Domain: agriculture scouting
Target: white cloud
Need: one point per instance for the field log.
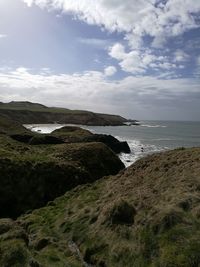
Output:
(129, 62)
(28, 2)
(132, 63)
(98, 43)
(110, 70)
(117, 51)
(158, 20)
(181, 56)
(138, 61)
(91, 90)
(148, 58)
(3, 36)
(135, 18)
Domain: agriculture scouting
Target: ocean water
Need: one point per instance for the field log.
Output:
(147, 138)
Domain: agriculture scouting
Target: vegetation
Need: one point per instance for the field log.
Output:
(76, 134)
(71, 134)
(35, 168)
(9, 126)
(146, 216)
(27, 112)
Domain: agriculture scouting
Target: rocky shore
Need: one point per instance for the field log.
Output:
(92, 211)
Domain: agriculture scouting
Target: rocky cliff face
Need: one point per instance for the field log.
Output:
(147, 215)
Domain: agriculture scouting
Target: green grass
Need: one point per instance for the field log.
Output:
(146, 216)
(27, 112)
(163, 233)
(32, 175)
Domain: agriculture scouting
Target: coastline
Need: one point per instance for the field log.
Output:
(152, 136)
(64, 193)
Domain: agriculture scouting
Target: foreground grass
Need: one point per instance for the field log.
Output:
(146, 216)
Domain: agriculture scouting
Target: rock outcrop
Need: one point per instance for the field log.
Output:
(76, 134)
(110, 141)
(72, 134)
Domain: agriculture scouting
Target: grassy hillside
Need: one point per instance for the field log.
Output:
(9, 126)
(32, 175)
(146, 216)
(27, 112)
(36, 168)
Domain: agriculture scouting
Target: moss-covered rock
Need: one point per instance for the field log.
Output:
(30, 176)
(73, 134)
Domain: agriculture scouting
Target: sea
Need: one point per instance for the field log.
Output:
(144, 139)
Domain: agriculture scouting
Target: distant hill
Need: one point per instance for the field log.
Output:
(28, 112)
(22, 105)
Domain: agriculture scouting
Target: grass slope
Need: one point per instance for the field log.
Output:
(27, 112)
(36, 168)
(9, 126)
(146, 216)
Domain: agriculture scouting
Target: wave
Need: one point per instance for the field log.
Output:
(138, 150)
(43, 128)
(153, 126)
(163, 139)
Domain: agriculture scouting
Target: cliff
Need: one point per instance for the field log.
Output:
(27, 112)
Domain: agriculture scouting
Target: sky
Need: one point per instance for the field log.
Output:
(136, 58)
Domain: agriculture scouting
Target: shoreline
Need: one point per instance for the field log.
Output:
(138, 150)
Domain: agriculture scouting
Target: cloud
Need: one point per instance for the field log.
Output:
(197, 69)
(129, 62)
(181, 56)
(29, 2)
(131, 96)
(139, 61)
(158, 19)
(97, 43)
(110, 71)
(198, 60)
(3, 36)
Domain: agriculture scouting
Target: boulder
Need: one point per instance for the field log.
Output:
(112, 142)
(71, 134)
